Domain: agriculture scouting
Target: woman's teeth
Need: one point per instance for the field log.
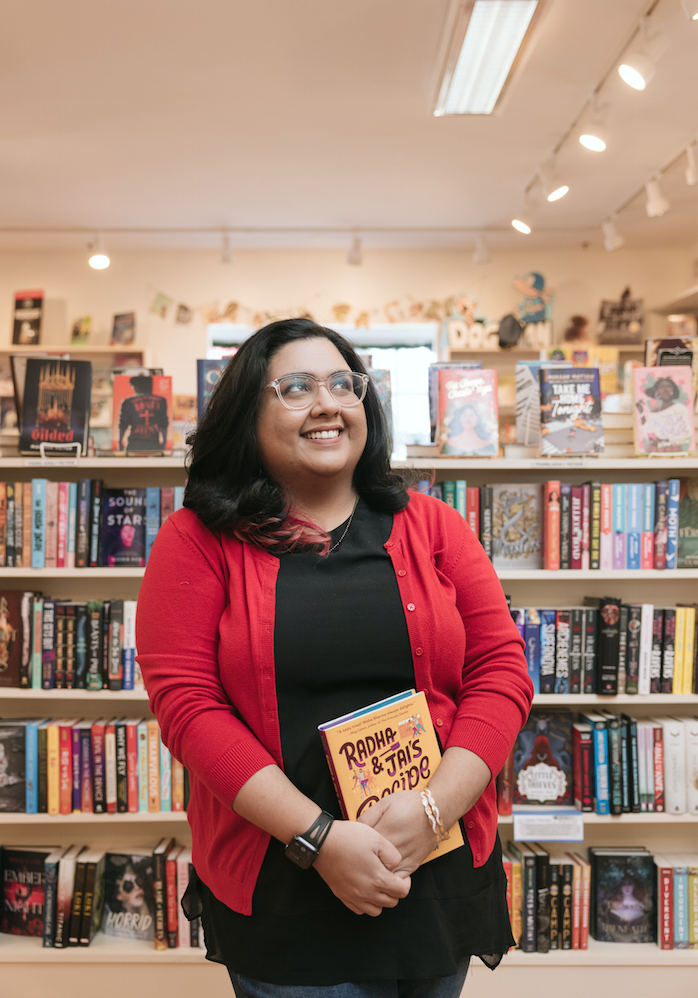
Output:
(322, 434)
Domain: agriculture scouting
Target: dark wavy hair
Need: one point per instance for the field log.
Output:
(227, 487)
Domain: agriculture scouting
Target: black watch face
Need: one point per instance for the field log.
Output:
(301, 852)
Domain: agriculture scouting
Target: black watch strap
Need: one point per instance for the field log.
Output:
(303, 849)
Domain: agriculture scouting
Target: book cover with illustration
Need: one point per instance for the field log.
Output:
(468, 413)
(10, 637)
(433, 382)
(129, 894)
(123, 331)
(528, 400)
(674, 351)
(23, 889)
(29, 309)
(543, 759)
(663, 406)
(381, 749)
(142, 421)
(122, 528)
(687, 555)
(381, 381)
(624, 896)
(208, 374)
(56, 404)
(516, 526)
(570, 411)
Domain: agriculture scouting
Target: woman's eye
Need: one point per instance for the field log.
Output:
(295, 387)
(342, 384)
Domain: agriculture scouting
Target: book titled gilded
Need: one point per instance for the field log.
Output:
(56, 404)
(381, 749)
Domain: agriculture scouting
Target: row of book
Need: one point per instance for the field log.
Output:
(116, 765)
(619, 895)
(58, 644)
(66, 895)
(46, 524)
(609, 647)
(652, 525)
(604, 762)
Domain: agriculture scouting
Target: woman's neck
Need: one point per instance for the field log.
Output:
(327, 510)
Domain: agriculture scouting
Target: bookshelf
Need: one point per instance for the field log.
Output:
(26, 964)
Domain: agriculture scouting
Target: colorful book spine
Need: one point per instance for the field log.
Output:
(165, 777)
(619, 552)
(62, 525)
(551, 532)
(565, 526)
(152, 519)
(472, 508)
(129, 649)
(647, 537)
(38, 522)
(661, 508)
(633, 493)
(547, 651)
(142, 738)
(576, 531)
(461, 503)
(595, 527)
(586, 526)
(665, 902)
(606, 527)
(532, 646)
(672, 537)
(72, 524)
(562, 651)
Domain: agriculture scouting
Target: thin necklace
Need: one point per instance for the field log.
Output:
(335, 546)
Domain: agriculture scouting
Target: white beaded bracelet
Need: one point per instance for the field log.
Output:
(432, 813)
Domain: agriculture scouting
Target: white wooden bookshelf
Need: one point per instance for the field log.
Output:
(81, 818)
(662, 468)
(645, 818)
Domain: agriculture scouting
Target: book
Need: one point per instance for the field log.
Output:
(124, 329)
(663, 406)
(505, 786)
(673, 351)
(95, 516)
(576, 527)
(56, 405)
(526, 858)
(28, 313)
(122, 527)
(565, 526)
(589, 647)
(13, 771)
(160, 854)
(543, 759)
(562, 651)
(547, 651)
(142, 414)
(542, 897)
(516, 526)
(23, 889)
(93, 894)
(532, 624)
(672, 536)
(687, 548)
(624, 896)
(583, 765)
(528, 400)
(619, 526)
(551, 544)
(387, 746)
(668, 640)
(64, 895)
(208, 374)
(599, 727)
(11, 638)
(570, 411)
(468, 412)
(486, 514)
(576, 649)
(129, 899)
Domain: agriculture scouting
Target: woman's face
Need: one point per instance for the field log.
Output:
(468, 418)
(289, 451)
(665, 391)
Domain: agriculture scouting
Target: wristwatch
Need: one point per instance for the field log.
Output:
(304, 849)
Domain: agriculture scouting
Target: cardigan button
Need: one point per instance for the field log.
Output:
(402, 572)
(419, 651)
(439, 722)
(471, 824)
(411, 606)
(478, 857)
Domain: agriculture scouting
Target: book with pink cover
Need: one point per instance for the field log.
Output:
(468, 412)
(662, 404)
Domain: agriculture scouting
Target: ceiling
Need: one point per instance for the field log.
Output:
(294, 114)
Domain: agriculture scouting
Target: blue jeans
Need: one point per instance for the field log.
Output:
(435, 987)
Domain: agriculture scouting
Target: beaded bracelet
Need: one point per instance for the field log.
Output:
(432, 813)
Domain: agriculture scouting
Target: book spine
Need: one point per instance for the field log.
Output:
(586, 525)
(532, 647)
(152, 518)
(183, 936)
(674, 767)
(160, 919)
(672, 539)
(179, 497)
(691, 737)
(602, 798)
(10, 525)
(565, 526)
(472, 509)
(177, 785)
(3, 525)
(82, 542)
(50, 890)
(62, 526)
(120, 735)
(633, 494)
(551, 530)
(619, 527)
(647, 538)
(19, 526)
(529, 905)
(615, 773)
(143, 786)
(86, 802)
(608, 637)
(625, 762)
(95, 516)
(562, 651)
(129, 650)
(153, 767)
(116, 643)
(99, 796)
(48, 652)
(565, 906)
(576, 905)
(59, 648)
(132, 766)
(622, 649)
(656, 650)
(76, 904)
(635, 796)
(646, 627)
(27, 522)
(25, 664)
(680, 907)
(542, 904)
(167, 502)
(576, 645)
(110, 766)
(632, 649)
(72, 525)
(586, 897)
(689, 652)
(679, 645)
(88, 904)
(448, 491)
(583, 769)
(31, 765)
(595, 526)
(51, 551)
(165, 777)
(69, 646)
(693, 906)
(555, 899)
(606, 538)
(516, 901)
(171, 900)
(665, 905)
(486, 519)
(589, 650)
(81, 647)
(661, 506)
(460, 497)
(53, 769)
(37, 642)
(547, 651)
(42, 780)
(95, 626)
(77, 769)
(576, 531)
(39, 523)
(658, 766)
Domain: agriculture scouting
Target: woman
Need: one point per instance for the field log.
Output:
(302, 581)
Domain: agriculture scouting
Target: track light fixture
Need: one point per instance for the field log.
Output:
(98, 257)
(638, 66)
(612, 238)
(523, 222)
(355, 256)
(657, 205)
(482, 253)
(226, 252)
(690, 9)
(692, 165)
(553, 186)
(594, 134)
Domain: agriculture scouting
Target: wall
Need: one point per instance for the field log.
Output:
(287, 282)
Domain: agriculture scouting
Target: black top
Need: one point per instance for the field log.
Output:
(341, 642)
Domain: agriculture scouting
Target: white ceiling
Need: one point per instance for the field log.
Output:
(317, 113)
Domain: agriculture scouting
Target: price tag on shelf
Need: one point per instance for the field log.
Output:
(549, 826)
(560, 464)
(51, 462)
(72, 455)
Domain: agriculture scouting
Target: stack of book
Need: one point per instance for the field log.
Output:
(116, 765)
(66, 895)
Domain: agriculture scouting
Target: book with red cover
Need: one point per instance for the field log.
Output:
(132, 763)
(551, 530)
(658, 762)
(583, 756)
(166, 502)
(606, 528)
(472, 509)
(142, 415)
(171, 895)
(65, 765)
(160, 853)
(576, 533)
(99, 795)
(468, 412)
(665, 900)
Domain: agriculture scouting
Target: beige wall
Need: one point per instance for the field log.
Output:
(288, 281)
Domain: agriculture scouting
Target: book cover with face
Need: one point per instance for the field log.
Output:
(663, 410)
(468, 413)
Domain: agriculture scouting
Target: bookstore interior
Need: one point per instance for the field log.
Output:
(496, 203)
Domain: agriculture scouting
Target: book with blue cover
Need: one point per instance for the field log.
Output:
(623, 906)
(208, 374)
(570, 411)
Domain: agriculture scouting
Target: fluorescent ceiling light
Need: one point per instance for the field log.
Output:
(474, 77)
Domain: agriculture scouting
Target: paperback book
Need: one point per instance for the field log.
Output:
(122, 531)
(468, 413)
(516, 526)
(142, 414)
(543, 770)
(129, 898)
(29, 308)
(570, 411)
(663, 406)
(124, 329)
(208, 374)
(56, 404)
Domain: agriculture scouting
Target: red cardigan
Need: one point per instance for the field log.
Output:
(205, 637)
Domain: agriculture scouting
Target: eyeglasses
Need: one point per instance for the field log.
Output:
(299, 391)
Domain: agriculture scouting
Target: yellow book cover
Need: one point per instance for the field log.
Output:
(679, 648)
(177, 785)
(53, 767)
(381, 749)
(516, 925)
(689, 650)
(153, 766)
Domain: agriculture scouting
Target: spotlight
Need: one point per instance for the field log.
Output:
(692, 168)
(482, 253)
(638, 66)
(226, 253)
(690, 9)
(657, 205)
(98, 258)
(612, 238)
(553, 187)
(595, 134)
(523, 223)
(355, 256)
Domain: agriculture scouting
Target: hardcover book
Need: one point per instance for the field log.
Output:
(208, 374)
(56, 405)
(663, 406)
(142, 414)
(122, 528)
(129, 900)
(516, 526)
(674, 351)
(124, 329)
(468, 412)
(381, 749)
(13, 773)
(29, 307)
(570, 408)
(23, 889)
(687, 552)
(543, 760)
(624, 896)
(10, 637)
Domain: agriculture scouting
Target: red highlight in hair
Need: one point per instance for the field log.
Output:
(284, 536)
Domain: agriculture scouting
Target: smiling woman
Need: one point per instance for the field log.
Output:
(317, 584)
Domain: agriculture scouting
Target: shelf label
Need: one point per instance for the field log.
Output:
(51, 462)
(560, 464)
(549, 826)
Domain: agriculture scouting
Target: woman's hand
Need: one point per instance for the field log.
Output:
(358, 865)
(401, 818)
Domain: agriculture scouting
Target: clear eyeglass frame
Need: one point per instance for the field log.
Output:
(347, 398)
